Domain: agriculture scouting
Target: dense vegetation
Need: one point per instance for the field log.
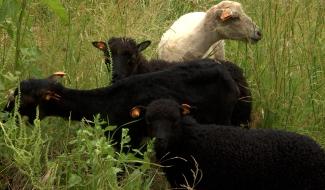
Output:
(285, 71)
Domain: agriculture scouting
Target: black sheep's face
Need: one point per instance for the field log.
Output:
(163, 130)
(163, 120)
(123, 54)
(124, 62)
(33, 93)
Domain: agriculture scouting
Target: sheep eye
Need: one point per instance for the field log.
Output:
(233, 19)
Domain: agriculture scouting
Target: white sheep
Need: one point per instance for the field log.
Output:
(192, 35)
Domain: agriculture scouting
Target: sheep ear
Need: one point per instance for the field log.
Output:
(226, 14)
(100, 45)
(135, 112)
(56, 76)
(51, 95)
(143, 45)
(186, 109)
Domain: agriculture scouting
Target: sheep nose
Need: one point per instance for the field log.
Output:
(258, 34)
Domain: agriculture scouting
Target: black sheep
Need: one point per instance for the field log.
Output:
(201, 83)
(231, 158)
(127, 59)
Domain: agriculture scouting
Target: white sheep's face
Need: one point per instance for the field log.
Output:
(232, 23)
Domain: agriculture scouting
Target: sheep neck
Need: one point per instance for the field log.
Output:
(142, 66)
(78, 104)
(202, 37)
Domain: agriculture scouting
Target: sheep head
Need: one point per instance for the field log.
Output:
(162, 117)
(123, 53)
(33, 93)
(229, 21)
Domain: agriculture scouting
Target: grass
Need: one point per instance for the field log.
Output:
(285, 71)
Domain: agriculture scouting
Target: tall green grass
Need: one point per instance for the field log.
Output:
(285, 71)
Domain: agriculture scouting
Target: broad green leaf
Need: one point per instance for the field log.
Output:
(57, 8)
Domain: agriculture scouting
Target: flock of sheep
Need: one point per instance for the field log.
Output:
(198, 109)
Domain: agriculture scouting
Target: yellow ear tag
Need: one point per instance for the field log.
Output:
(59, 74)
(52, 95)
(47, 97)
(101, 45)
(135, 112)
(186, 109)
(226, 14)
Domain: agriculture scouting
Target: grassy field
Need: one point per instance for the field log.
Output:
(285, 71)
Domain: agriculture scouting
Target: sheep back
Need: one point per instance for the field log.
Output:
(234, 158)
